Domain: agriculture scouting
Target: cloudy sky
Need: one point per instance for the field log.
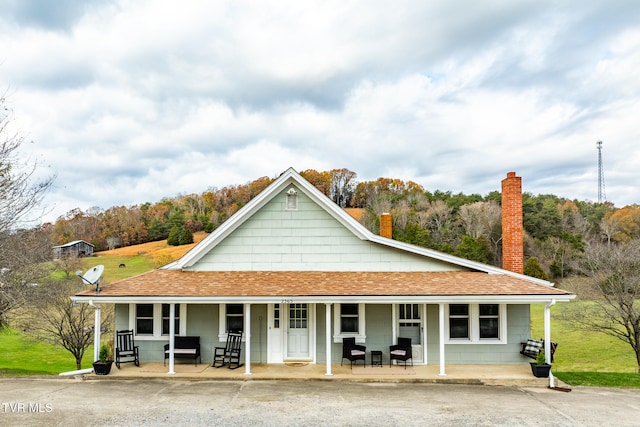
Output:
(130, 101)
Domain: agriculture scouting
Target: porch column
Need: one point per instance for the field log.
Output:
(247, 343)
(172, 335)
(394, 329)
(441, 333)
(96, 331)
(327, 309)
(547, 330)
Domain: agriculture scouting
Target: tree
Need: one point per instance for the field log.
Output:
(613, 273)
(56, 319)
(20, 195)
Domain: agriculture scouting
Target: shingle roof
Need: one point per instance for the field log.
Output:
(177, 283)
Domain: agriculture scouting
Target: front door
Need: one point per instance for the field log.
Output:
(274, 331)
(298, 331)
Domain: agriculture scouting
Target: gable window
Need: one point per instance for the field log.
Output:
(150, 321)
(348, 321)
(292, 200)
(477, 323)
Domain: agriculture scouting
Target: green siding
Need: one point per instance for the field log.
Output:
(309, 238)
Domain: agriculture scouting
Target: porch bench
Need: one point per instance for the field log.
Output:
(184, 348)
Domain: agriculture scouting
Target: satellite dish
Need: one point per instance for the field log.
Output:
(92, 276)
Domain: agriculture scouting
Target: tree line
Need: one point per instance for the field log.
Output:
(468, 225)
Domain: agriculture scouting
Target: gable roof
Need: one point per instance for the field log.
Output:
(75, 242)
(290, 176)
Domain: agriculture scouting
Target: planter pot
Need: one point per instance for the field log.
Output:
(102, 368)
(540, 371)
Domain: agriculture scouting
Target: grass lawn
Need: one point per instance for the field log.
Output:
(23, 355)
(586, 358)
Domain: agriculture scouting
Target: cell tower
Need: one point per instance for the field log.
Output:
(601, 194)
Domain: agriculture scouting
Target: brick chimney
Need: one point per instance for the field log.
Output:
(386, 225)
(512, 226)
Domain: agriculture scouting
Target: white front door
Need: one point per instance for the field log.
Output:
(298, 331)
(274, 331)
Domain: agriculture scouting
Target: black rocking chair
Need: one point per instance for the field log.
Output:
(353, 351)
(126, 348)
(229, 355)
(401, 351)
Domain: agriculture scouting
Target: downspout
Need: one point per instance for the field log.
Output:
(547, 338)
(96, 331)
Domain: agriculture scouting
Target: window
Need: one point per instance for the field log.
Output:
(348, 321)
(235, 317)
(348, 318)
(489, 321)
(477, 323)
(292, 200)
(276, 316)
(409, 316)
(458, 321)
(231, 318)
(166, 318)
(151, 321)
(144, 319)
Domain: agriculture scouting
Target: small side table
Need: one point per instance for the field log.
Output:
(376, 358)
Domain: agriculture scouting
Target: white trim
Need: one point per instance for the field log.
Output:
(360, 336)
(375, 299)
(222, 320)
(474, 327)
(157, 320)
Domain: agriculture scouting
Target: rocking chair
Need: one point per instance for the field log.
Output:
(126, 348)
(229, 355)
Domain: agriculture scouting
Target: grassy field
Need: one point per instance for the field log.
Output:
(23, 355)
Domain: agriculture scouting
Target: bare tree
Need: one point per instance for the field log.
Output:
(56, 319)
(19, 196)
(613, 271)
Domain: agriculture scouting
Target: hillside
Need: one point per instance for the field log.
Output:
(155, 249)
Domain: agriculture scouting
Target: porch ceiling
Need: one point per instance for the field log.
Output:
(177, 283)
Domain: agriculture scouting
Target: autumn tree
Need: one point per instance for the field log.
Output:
(343, 183)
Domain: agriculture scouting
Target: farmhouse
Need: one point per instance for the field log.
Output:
(296, 275)
(77, 248)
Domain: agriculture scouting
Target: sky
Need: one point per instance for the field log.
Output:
(129, 102)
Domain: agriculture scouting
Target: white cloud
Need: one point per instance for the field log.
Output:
(132, 101)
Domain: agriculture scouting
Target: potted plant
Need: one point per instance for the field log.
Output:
(102, 366)
(540, 367)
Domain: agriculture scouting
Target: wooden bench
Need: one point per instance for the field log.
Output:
(184, 348)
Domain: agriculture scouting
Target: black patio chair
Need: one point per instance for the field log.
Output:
(401, 351)
(126, 348)
(229, 355)
(352, 351)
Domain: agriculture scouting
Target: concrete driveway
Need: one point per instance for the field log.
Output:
(177, 402)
